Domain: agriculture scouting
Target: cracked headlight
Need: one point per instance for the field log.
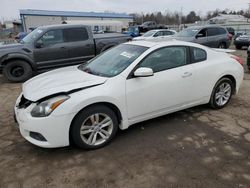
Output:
(45, 108)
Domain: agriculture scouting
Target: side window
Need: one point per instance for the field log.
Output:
(198, 55)
(212, 32)
(75, 34)
(165, 58)
(52, 37)
(167, 32)
(222, 31)
(202, 33)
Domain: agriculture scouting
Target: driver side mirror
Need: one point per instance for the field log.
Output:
(199, 35)
(143, 72)
(39, 44)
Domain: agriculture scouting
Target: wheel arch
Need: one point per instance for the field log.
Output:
(232, 78)
(107, 104)
(13, 57)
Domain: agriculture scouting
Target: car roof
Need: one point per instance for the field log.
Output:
(170, 42)
(206, 26)
(59, 26)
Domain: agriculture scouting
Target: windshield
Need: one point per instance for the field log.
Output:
(149, 34)
(189, 32)
(114, 61)
(32, 36)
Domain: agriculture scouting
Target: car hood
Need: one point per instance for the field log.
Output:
(10, 46)
(186, 39)
(59, 81)
(244, 37)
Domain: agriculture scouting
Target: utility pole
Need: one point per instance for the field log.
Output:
(142, 17)
(181, 19)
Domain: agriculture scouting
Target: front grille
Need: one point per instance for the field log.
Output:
(24, 103)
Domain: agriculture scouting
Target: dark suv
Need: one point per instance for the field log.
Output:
(212, 36)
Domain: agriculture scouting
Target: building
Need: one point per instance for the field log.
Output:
(238, 22)
(228, 19)
(34, 18)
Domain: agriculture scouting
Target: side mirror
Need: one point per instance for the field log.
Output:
(39, 44)
(143, 72)
(199, 35)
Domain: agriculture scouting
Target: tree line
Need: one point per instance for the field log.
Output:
(169, 18)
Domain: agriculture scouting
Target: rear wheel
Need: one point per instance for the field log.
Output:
(222, 45)
(222, 93)
(94, 127)
(17, 71)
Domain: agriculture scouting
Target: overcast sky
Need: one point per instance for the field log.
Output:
(9, 9)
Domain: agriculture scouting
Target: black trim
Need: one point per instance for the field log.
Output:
(188, 56)
(192, 59)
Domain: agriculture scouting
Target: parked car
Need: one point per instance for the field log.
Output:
(248, 58)
(20, 36)
(211, 36)
(242, 41)
(150, 25)
(238, 34)
(156, 34)
(130, 83)
(51, 47)
(132, 31)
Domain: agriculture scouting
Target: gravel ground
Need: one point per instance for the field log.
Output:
(198, 147)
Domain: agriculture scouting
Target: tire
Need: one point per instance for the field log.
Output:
(222, 45)
(17, 71)
(85, 124)
(238, 47)
(219, 99)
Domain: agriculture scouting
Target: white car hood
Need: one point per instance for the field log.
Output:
(59, 81)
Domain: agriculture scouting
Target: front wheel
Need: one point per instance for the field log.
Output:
(222, 93)
(94, 127)
(17, 71)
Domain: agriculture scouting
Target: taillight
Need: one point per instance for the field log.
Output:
(238, 59)
(229, 36)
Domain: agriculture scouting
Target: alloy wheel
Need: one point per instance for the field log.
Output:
(223, 94)
(96, 129)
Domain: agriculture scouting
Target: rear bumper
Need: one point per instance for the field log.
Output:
(241, 43)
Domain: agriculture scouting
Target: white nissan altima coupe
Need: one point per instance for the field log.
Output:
(130, 83)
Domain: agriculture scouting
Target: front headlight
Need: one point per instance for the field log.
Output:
(45, 108)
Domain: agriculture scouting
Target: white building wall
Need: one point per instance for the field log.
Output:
(31, 21)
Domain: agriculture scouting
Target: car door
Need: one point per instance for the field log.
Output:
(169, 88)
(213, 37)
(80, 45)
(201, 37)
(52, 50)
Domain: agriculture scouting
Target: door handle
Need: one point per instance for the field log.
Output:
(187, 74)
(63, 47)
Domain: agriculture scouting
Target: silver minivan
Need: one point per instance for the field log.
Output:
(211, 36)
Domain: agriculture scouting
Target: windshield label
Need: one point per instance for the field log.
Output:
(127, 55)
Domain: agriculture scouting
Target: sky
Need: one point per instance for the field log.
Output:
(9, 9)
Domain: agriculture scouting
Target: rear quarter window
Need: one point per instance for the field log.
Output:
(222, 31)
(198, 55)
(75, 34)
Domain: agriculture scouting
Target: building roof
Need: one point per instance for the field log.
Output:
(229, 17)
(73, 14)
